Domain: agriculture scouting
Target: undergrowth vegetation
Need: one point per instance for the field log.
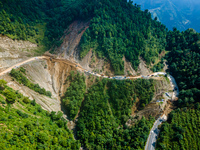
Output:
(182, 129)
(101, 124)
(74, 94)
(25, 125)
(18, 75)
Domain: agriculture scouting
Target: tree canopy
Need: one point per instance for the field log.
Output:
(27, 126)
(119, 29)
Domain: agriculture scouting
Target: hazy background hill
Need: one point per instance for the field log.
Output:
(182, 14)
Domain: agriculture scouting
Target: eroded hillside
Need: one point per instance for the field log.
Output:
(70, 50)
(13, 51)
(51, 74)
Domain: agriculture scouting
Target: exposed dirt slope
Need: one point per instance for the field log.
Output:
(154, 108)
(71, 39)
(69, 50)
(92, 63)
(13, 51)
(142, 68)
(59, 70)
(48, 74)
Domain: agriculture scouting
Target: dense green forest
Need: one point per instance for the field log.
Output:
(106, 108)
(18, 75)
(40, 21)
(74, 94)
(181, 131)
(184, 63)
(117, 28)
(121, 29)
(25, 125)
(123, 94)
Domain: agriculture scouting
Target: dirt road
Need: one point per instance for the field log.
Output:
(21, 63)
(150, 145)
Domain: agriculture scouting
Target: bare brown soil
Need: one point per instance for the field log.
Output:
(169, 107)
(71, 39)
(153, 109)
(142, 68)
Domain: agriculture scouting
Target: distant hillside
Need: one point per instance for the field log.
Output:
(182, 14)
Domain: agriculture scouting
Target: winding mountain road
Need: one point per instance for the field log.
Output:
(153, 135)
(21, 63)
(150, 144)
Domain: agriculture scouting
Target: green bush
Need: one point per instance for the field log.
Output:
(22, 79)
(33, 102)
(74, 94)
(20, 130)
(26, 100)
(22, 70)
(10, 96)
(2, 84)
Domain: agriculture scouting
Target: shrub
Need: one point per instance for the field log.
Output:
(10, 96)
(10, 117)
(33, 102)
(3, 119)
(23, 115)
(22, 79)
(26, 100)
(22, 70)
(2, 84)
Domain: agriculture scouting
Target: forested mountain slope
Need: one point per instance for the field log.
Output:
(182, 128)
(106, 105)
(39, 21)
(25, 125)
(100, 107)
(120, 29)
(101, 123)
(181, 131)
(117, 28)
